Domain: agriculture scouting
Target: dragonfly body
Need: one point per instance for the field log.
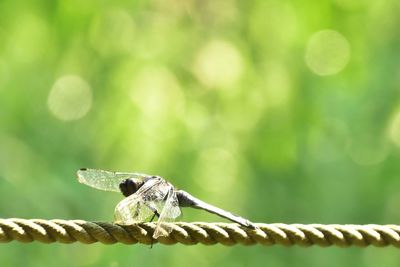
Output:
(149, 196)
(129, 187)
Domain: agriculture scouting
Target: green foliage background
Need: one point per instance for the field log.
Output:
(238, 102)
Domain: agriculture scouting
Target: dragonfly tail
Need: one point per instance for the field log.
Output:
(187, 200)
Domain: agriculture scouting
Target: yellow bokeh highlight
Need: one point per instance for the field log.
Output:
(394, 129)
(327, 52)
(156, 92)
(70, 98)
(218, 64)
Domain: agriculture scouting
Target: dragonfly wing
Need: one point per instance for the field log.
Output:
(169, 213)
(132, 210)
(106, 180)
(144, 203)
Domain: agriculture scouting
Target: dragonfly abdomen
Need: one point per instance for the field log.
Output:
(187, 200)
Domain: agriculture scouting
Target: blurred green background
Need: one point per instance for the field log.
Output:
(280, 111)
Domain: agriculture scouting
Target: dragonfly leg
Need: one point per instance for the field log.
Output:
(152, 218)
(154, 210)
(154, 215)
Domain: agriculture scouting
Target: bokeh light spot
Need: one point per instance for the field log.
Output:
(368, 149)
(218, 64)
(70, 98)
(394, 129)
(156, 92)
(327, 52)
(30, 39)
(278, 85)
(112, 32)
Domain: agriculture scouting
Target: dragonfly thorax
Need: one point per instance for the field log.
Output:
(129, 187)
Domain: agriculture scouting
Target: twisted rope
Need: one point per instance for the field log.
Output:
(69, 231)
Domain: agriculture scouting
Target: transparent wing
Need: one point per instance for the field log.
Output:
(106, 180)
(132, 210)
(144, 203)
(169, 213)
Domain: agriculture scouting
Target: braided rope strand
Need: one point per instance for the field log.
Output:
(70, 231)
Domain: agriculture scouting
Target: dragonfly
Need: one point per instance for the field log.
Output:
(149, 196)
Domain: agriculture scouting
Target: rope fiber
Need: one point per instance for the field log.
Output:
(70, 231)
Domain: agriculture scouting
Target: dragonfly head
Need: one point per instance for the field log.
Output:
(129, 187)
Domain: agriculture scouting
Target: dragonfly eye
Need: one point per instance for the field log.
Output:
(128, 187)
